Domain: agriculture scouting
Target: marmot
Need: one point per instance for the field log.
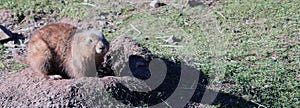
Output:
(60, 51)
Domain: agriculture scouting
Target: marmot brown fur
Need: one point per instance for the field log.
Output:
(59, 51)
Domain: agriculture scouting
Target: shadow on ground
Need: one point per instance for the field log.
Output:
(11, 36)
(168, 87)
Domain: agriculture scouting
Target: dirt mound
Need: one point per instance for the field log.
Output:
(28, 89)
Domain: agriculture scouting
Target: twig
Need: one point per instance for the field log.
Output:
(2, 75)
(26, 29)
(167, 103)
(192, 86)
(136, 29)
(218, 28)
(208, 14)
(163, 37)
(173, 59)
(15, 45)
(221, 15)
(187, 2)
(174, 46)
(259, 105)
(88, 4)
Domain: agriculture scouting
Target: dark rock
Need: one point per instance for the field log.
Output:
(194, 3)
(156, 4)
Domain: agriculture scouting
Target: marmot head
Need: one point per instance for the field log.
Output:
(91, 42)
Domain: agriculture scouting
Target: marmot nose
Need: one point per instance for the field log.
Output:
(100, 50)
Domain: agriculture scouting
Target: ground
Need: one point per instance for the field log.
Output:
(251, 48)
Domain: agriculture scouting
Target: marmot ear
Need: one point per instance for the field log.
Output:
(102, 35)
(98, 33)
(83, 36)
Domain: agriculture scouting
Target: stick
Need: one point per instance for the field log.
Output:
(221, 15)
(88, 4)
(136, 29)
(174, 46)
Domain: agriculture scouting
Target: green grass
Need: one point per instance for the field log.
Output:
(263, 57)
(251, 45)
(37, 8)
(256, 44)
(8, 64)
(2, 65)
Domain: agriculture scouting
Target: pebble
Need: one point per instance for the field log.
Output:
(154, 3)
(194, 3)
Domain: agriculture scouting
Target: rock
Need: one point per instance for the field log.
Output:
(194, 3)
(298, 77)
(156, 4)
(172, 40)
(9, 44)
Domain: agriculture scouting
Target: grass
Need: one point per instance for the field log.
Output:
(37, 9)
(7, 64)
(256, 44)
(263, 57)
(253, 46)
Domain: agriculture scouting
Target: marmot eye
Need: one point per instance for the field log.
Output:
(90, 40)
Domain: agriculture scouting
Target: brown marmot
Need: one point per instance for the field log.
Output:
(60, 51)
